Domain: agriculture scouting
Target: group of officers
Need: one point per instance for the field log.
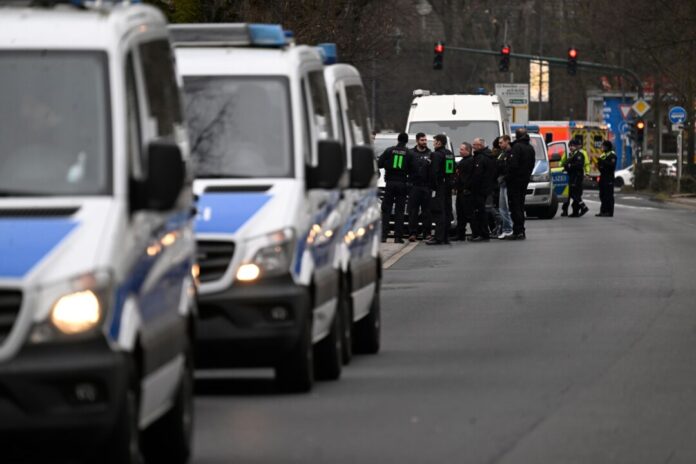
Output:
(490, 185)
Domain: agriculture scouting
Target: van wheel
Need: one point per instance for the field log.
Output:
(345, 309)
(367, 335)
(618, 182)
(169, 440)
(124, 446)
(329, 351)
(295, 373)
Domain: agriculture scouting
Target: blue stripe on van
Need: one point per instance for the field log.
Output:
(225, 213)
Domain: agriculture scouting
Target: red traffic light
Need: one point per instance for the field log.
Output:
(572, 53)
(505, 50)
(439, 47)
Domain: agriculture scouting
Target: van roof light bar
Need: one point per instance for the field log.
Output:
(328, 52)
(231, 34)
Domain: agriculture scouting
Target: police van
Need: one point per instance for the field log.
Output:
(359, 259)
(97, 296)
(267, 171)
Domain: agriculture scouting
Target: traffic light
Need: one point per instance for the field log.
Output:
(439, 55)
(504, 65)
(640, 131)
(572, 61)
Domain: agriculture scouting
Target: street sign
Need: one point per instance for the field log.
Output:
(641, 107)
(623, 128)
(677, 115)
(516, 99)
(625, 109)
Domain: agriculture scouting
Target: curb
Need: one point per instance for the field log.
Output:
(399, 254)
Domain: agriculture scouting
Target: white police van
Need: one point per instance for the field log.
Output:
(267, 171)
(97, 296)
(358, 255)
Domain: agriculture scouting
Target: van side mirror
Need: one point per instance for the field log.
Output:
(330, 166)
(548, 137)
(165, 176)
(363, 168)
(555, 157)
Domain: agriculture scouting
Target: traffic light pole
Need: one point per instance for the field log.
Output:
(562, 62)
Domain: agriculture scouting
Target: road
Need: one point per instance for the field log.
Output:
(577, 345)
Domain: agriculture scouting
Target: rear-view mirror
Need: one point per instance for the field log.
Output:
(555, 157)
(165, 176)
(329, 168)
(363, 167)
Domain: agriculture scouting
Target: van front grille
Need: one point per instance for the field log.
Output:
(214, 258)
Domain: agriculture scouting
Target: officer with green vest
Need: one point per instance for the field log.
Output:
(396, 162)
(577, 165)
(606, 164)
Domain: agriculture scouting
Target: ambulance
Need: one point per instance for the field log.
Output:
(267, 181)
(97, 287)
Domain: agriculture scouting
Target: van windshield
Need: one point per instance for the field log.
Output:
(54, 124)
(239, 126)
(459, 131)
(538, 144)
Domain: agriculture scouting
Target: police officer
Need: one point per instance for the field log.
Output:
(484, 178)
(419, 195)
(450, 179)
(396, 162)
(606, 164)
(465, 198)
(440, 184)
(577, 165)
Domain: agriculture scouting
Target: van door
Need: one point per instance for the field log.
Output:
(164, 266)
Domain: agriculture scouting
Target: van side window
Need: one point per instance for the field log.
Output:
(341, 128)
(320, 104)
(357, 115)
(306, 121)
(160, 84)
(133, 119)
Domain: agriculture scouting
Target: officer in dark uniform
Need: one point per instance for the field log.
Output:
(465, 197)
(607, 166)
(439, 184)
(576, 164)
(450, 180)
(419, 195)
(396, 162)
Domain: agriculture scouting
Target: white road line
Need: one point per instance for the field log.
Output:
(618, 205)
(403, 252)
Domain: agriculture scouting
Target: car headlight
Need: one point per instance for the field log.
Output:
(72, 309)
(541, 177)
(270, 255)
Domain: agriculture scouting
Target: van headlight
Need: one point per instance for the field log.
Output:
(73, 309)
(270, 255)
(541, 178)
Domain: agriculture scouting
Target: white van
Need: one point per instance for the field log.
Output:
(267, 172)
(97, 296)
(359, 257)
(461, 117)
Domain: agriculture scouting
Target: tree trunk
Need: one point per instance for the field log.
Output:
(657, 115)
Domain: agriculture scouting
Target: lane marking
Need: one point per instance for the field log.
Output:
(618, 205)
(397, 256)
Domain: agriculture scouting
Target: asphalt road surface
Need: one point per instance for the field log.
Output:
(577, 345)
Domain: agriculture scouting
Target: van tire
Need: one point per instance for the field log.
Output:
(367, 333)
(618, 182)
(550, 211)
(295, 372)
(345, 310)
(170, 439)
(124, 445)
(328, 353)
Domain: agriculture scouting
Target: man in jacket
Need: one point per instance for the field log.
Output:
(465, 197)
(606, 164)
(419, 195)
(520, 166)
(503, 205)
(484, 179)
(396, 162)
(439, 185)
(577, 165)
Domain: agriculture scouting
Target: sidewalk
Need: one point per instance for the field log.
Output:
(684, 199)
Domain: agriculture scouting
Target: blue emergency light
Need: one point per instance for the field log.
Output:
(228, 35)
(328, 52)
